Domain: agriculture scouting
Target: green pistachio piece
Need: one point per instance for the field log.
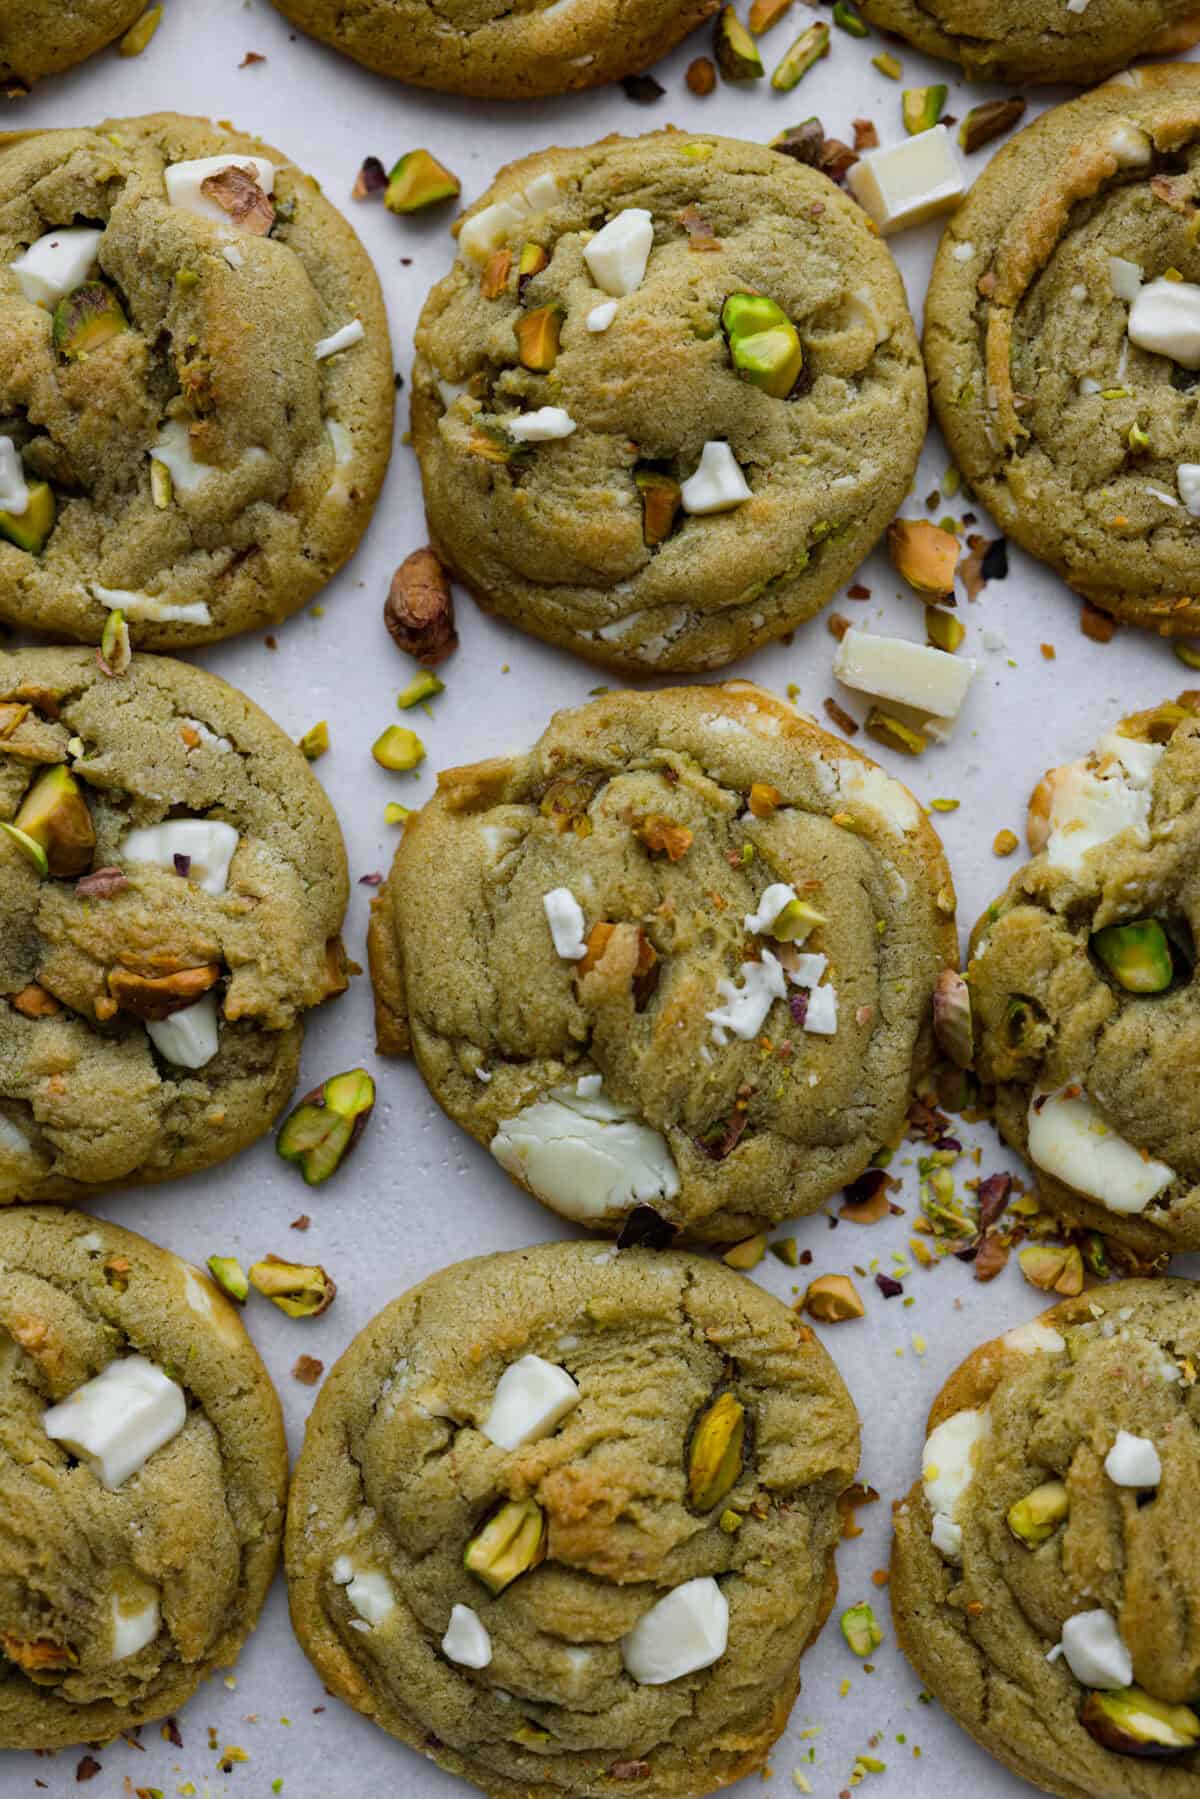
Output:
(30, 529)
(1131, 1722)
(230, 1276)
(943, 630)
(799, 58)
(32, 851)
(848, 18)
(796, 922)
(922, 107)
(537, 337)
(422, 687)
(54, 816)
(419, 180)
(661, 499)
(1138, 956)
(315, 741)
(1035, 1518)
(860, 1628)
(716, 1455)
(300, 1291)
(326, 1125)
(116, 652)
(398, 749)
(736, 52)
(511, 1543)
(764, 345)
(87, 318)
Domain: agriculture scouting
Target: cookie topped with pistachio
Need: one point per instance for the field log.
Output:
(1062, 337)
(1078, 41)
(1082, 984)
(195, 382)
(667, 398)
(1045, 1576)
(566, 1517)
(679, 955)
(143, 1469)
(172, 885)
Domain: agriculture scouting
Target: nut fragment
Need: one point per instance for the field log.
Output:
(661, 500)
(1138, 956)
(717, 1452)
(315, 741)
(34, 1002)
(1035, 1518)
(496, 271)
(800, 56)
(860, 1627)
(764, 345)
(41, 1655)
(924, 555)
(87, 318)
(701, 76)
(538, 335)
(301, 1292)
(832, 1299)
(985, 122)
(662, 836)
(54, 815)
(327, 1124)
(419, 611)
(419, 180)
(1053, 1267)
(763, 799)
(922, 107)
(511, 1543)
(156, 997)
(398, 749)
(237, 192)
(943, 630)
(116, 652)
(230, 1276)
(1131, 1722)
(736, 51)
(747, 1254)
(891, 731)
(952, 1017)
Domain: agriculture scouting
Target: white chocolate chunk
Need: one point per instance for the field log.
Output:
(56, 264)
(618, 254)
(115, 1422)
(1035, 1338)
(1187, 479)
(602, 316)
(807, 970)
(1165, 318)
(1133, 1462)
(1138, 760)
(821, 1016)
(864, 781)
(745, 1008)
(718, 483)
(1126, 277)
(148, 606)
(466, 1641)
(772, 903)
(947, 1469)
(1094, 1651)
(342, 1571)
(910, 674)
(1091, 805)
(1130, 146)
(906, 183)
(185, 181)
(1070, 1138)
(586, 1156)
(14, 490)
(541, 426)
(532, 1398)
(371, 1595)
(209, 740)
(686, 1631)
(492, 227)
(946, 1536)
(342, 441)
(564, 915)
(542, 192)
(343, 339)
(174, 450)
(135, 1621)
(189, 1038)
(208, 843)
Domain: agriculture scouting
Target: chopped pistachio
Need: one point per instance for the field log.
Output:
(300, 1291)
(730, 1521)
(511, 1543)
(860, 1627)
(661, 499)
(788, 1251)
(538, 335)
(396, 814)
(1004, 843)
(315, 740)
(86, 319)
(1138, 439)
(716, 1454)
(944, 631)
(162, 488)
(327, 1124)
(116, 652)
(421, 687)
(1053, 1267)
(30, 529)
(922, 107)
(924, 555)
(55, 818)
(885, 728)
(1188, 653)
(532, 261)
(419, 180)
(1137, 955)
(398, 749)
(1132, 1722)
(747, 1254)
(795, 922)
(230, 1276)
(32, 850)
(736, 52)
(764, 799)
(987, 121)
(765, 13)
(1035, 1518)
(497, 269)
(140, 32)
(888, 65)
(800, 56)
(764, 345)
(848, 18)
(833, 1298)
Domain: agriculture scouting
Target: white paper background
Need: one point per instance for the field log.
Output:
(418, 1194)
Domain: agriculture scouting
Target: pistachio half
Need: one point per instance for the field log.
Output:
(715, 1458)
(833, 1298)
(1138, 956)
(30, 529)
(87, 318)
(230, 1276)
(860, 1627)
(924, 555)
(419, 180)
(1035, 1518)
(55, 816)
(736, 51)
(661, 498)
(764, 345)
(1130, 1722)
(511, 1543)
(300, 1291)
(326, 1125)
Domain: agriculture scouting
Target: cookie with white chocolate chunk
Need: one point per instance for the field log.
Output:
(1082, 983)
(681, 954)
(1044, 1577)
(564, 1520)
(1062, 338)
(195, 382)
(1079, 41)
(172, 886)
(667, 398)
(143, 1473)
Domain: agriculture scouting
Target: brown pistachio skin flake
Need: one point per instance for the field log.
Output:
(419, 609)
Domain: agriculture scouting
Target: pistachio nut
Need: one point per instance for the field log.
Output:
(419, 180)
(735, 50)
(924, 555)
(327, 1124)
(30, 529)
(922, 107)
(1130, 1722)
(860, 1627)
(716, 1454)
(1035, 1518)
(1138, 956)
(800, 56)
(661, 499)
(511, 1543)
(398, 749)
(764, 345)
(832, 1299)
(55, 816)
(952, 1017)
(300, 1291)
(230, 1276)
(87, 318)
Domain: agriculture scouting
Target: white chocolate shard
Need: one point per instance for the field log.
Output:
(586, 1156)
(564, 915)
(1070, 1138)
(1165, 318)
(343, 339)
(189, 1038)
(617, 256)
(115, 1422)
(57, 263)
(466, 1641)
(1095, 1652)
(206, 843)
(909, 674)
(1133, 1462)
(906, 183)
(541, 426)
(686, 1631)
(532, 1398)
(718, 483)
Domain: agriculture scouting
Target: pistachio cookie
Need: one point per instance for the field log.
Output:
(1063, 343)
(172, 885)
(667, 398)
(1084, 989)
(195, 382)
(680, 955)
(1040, 40)
(41, 37)
(499, 52)
(1046, 1570)
(564, 1520)
(143, 1474)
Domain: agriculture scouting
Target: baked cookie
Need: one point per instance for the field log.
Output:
(681, 955)
(172, 885)
(143, 1473)
(667, 398)
(195, 382)
(499, 52)
(1063, 347)
(41, 37)
(566, 1519)
(1046, 1569)
(1087, 1015)
(1040, 40)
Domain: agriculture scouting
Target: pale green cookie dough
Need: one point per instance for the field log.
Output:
(497, 51)
(551, 1687)
(1082, 978)
(1081, 440)
(1039, 40)
(555, 532)
(41, 37)
(215, 463)
(680, 954)
(153, 1027)
(1079, 1607)
(117, 1601)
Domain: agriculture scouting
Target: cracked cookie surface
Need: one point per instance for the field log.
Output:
(1077, 438)
(1083, 982)
(223, 956)
(41, 37)
(204, 470)
(399, 1473)
(116, 1602)
(1040, 40)
(982, 1623)
(597, 540)
(728, 1024)
(495, 50)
